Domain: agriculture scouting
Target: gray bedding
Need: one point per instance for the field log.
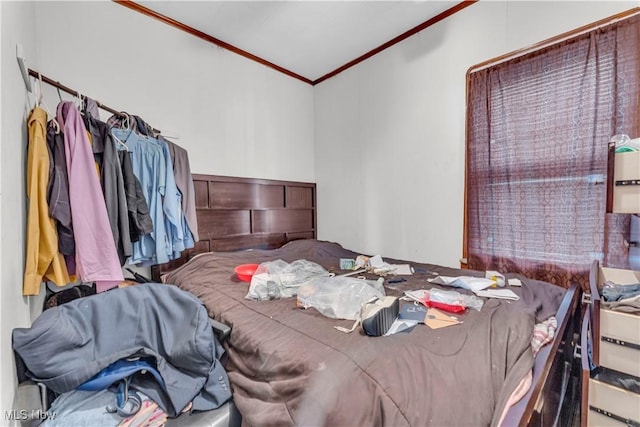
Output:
(289, 366)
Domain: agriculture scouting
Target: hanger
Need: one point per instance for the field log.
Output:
(40, 103)
(31, 98)
(126, 120)
(124, 146)
(78, 101)
(38, 95)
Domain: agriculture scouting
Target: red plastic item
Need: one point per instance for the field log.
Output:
(445, 307)
(245, 271)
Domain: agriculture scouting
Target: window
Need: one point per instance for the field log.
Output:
(538, 126)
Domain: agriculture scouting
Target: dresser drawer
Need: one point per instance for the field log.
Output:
(618, 276)
(620, 358)
(620, 326)
(623, 404)
(626, 196)
(612, 327)
(595, 419)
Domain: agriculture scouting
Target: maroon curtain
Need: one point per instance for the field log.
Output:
(538, 128)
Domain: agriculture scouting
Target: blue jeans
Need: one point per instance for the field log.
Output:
(611, 292)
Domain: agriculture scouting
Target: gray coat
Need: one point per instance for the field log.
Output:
(67, 345)
(112, 182)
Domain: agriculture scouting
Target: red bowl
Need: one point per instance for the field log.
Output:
(245, 271)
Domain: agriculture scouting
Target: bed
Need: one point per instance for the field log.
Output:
(290, 366)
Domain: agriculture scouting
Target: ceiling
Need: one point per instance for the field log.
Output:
(311, 39)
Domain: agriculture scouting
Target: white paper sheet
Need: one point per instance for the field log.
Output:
(464, 282)
(497, 293)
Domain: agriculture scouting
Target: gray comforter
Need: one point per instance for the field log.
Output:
(289, 366)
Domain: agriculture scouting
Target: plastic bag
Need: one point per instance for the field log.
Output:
(455, 299)
(339, 297)
(279, 279)
(625, 144)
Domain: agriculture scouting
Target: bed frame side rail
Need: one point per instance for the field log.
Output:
(553, 381)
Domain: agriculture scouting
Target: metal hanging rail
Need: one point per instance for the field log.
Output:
(68, 90)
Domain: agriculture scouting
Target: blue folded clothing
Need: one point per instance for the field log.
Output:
(118, 370)
(612, 292)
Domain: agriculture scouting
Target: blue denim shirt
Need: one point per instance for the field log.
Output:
(149, 167)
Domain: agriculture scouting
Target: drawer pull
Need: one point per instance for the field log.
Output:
(620, 342)
(626, 421)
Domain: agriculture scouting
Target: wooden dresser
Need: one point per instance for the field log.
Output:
(610, 356)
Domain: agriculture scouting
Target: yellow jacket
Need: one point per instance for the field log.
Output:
(42, 258)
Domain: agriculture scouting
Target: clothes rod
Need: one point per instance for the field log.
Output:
(70, 91)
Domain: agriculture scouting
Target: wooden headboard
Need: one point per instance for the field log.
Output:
(248, 213)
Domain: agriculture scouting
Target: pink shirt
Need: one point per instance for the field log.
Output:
(96, 256)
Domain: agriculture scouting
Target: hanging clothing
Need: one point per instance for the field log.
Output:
(96, 255)
(58, 196)
(153, 167)
(139, 220)
(149, 167)
(91, 106)
(184, 182)
(112, 183)
(179, 235)
(42, 259)
(181, 173)
(143, 142)
(130, 121)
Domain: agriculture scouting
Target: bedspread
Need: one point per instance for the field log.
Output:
(289, 366)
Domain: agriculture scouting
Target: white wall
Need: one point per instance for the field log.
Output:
(15, 310)
(390, 132)
(234, 116)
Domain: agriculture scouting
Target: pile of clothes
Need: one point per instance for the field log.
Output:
(138, 351)
(621, 297)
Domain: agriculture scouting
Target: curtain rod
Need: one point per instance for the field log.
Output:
(70, 91)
